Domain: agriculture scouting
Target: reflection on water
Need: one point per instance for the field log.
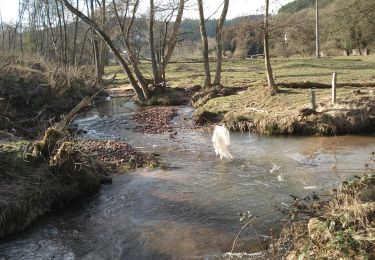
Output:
(192, 209)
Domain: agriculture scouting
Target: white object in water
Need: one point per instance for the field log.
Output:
(275, 168)
(221, 142)
(108, 98)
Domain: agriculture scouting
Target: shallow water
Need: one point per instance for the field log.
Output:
(192, 209)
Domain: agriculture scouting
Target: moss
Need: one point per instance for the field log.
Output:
(48, 143)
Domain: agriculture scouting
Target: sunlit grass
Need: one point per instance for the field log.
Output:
(247, 73)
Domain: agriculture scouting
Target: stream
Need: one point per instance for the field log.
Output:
(190, 210)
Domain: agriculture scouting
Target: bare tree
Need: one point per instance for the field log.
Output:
(167, 41)
(270, 78)
(115, 50)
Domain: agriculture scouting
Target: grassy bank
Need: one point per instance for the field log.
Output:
(249, 107)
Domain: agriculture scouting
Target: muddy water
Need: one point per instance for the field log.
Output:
(192, 209)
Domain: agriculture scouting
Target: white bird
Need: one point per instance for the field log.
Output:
(221, 142)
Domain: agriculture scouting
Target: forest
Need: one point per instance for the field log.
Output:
(171, 129)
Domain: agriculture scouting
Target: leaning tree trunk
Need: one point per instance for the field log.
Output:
(219, 42)
(138, 91)
(270, 79)
(207, 81)
(132, 57)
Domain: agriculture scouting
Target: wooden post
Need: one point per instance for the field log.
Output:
(317, 36)
(313, 99)
(334, 80)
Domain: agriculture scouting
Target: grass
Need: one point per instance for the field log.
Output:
(247, 73)
(254, 109)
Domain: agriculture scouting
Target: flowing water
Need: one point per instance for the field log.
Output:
(192, 209)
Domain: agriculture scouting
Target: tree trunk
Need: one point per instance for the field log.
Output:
(172, 39)
(270, 79)
(132, 57)
(111, 46)
(154, 63)
(206, 62)
(73, 56)
(219, 42)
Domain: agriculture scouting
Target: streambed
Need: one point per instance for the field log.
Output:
(192, 209)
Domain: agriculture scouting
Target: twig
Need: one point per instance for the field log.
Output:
(2, 67)
(248, 223)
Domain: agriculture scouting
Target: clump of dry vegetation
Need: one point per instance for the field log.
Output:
(341, 228)
(34, 93)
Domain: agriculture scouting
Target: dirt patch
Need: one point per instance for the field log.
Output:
(155, 120)
(117, 155)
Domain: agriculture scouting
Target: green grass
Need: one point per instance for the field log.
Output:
(247, 73)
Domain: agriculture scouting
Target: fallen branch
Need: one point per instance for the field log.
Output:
(309, 85)
(85, 102)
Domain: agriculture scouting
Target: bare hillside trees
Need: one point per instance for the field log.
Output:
(125, 13)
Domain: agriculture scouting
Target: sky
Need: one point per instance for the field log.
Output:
(9, 8)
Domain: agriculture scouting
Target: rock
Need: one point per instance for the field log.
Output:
(106, 180)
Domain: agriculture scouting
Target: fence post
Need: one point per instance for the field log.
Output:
(313, 99)
(334, 80)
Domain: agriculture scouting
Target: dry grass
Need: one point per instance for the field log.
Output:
(342, 228)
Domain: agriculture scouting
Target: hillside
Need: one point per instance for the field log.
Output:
(299, 5)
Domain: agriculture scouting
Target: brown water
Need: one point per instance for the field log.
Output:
(191, 210)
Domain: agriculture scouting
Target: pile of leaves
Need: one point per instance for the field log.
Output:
(155, 120)
(117, 154)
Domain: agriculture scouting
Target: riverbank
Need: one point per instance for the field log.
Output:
(37, 177)
(341, 228)
(289, 112)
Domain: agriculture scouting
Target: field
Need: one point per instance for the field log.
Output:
(295, 76)
(246, 73)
